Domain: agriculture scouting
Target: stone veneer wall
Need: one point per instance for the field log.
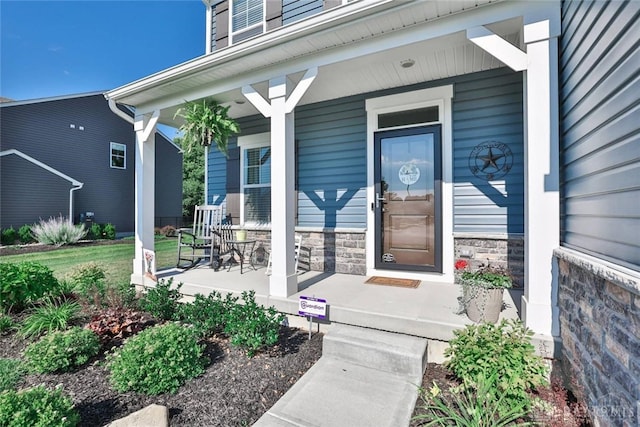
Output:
(504, 251)
(329, 251)
(600, 332)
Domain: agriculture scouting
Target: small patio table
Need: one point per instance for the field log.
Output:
(240, 247)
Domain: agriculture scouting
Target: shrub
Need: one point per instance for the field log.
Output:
(37, 407)
(95, 231)
(8, 236)
(251, 326)
(161, 301)
(504, 350)
(52, 315)
(88, 281)
(157, 360)
(109, 232)
(208, 315)
(62, 350)
(11, 371)
(24, 282)
(482, 405)
(168, 231)
(117, 324)
(120, 295)
(58, 231)
(25, 235)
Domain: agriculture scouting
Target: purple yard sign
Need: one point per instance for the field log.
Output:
(312, 307)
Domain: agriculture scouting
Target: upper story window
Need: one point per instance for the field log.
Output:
(247, 19)
(255, 178)
(118, 156)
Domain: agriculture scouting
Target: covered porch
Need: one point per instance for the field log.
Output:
(389, 53)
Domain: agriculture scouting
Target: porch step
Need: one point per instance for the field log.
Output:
(364, 378)
(385, 351)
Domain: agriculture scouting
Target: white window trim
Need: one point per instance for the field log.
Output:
(442, 97)
(242, 30)
(257, 140)
(117, 145)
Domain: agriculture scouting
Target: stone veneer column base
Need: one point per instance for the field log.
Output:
(600, 331)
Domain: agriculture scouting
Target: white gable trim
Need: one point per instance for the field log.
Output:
(77, 185)
(44, 166)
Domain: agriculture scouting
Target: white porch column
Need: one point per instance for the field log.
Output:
(144, 191)
(542, 199)
(541, 161)
(284, 280)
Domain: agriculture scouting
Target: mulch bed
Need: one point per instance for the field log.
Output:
(235, 390)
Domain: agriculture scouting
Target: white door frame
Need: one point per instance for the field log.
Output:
(440, 96)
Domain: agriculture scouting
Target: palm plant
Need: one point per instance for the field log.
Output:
(206, 122)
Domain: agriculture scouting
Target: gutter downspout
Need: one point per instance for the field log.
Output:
(77, 186)
(113, 107)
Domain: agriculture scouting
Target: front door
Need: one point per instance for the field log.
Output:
(408, 170)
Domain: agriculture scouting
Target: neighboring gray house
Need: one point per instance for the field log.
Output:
(73, 154)
(397, 136)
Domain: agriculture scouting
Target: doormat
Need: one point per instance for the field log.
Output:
(390, 281)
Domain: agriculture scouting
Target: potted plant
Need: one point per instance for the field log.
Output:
(482, 290)
(206, 122)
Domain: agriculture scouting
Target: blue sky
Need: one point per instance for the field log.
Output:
(55, 48)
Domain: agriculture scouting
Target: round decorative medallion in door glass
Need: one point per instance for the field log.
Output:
(409, 174)
(490, 160)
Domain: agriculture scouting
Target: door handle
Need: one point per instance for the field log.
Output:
(379, 199)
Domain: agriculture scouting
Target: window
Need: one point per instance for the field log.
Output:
(256, 178)
(247, 17)
(118, 156)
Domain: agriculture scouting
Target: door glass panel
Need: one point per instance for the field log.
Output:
(407, 201)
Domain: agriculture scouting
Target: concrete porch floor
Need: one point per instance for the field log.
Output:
(428, 311)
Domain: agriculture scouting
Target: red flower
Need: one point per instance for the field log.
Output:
(461, 264)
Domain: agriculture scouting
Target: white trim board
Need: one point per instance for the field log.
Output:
(440, 96)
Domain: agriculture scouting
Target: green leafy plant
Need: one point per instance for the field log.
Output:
(487, 276)
(37, 407)
(161, 301)
(11, 371)
(505, 350)
(53, 315)
(251, 326)
(95, 231)
(206, 122)
(6, 323)
(8, 236)
(482, 405)
(62, 350)
(58, 231)
(25, 235)
(109, 231)
(88, 281)
(208, 315)
(157, 360)
(25, 282)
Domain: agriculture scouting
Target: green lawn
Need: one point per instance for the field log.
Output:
(116, 259)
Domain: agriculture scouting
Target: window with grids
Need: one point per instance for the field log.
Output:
(247, 17)
(118, 156)
(256, 185)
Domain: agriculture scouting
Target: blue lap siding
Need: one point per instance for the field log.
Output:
(331, 147)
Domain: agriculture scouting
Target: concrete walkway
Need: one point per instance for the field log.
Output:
(364, 378)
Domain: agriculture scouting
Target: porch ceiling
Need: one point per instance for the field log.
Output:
(358, 47)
